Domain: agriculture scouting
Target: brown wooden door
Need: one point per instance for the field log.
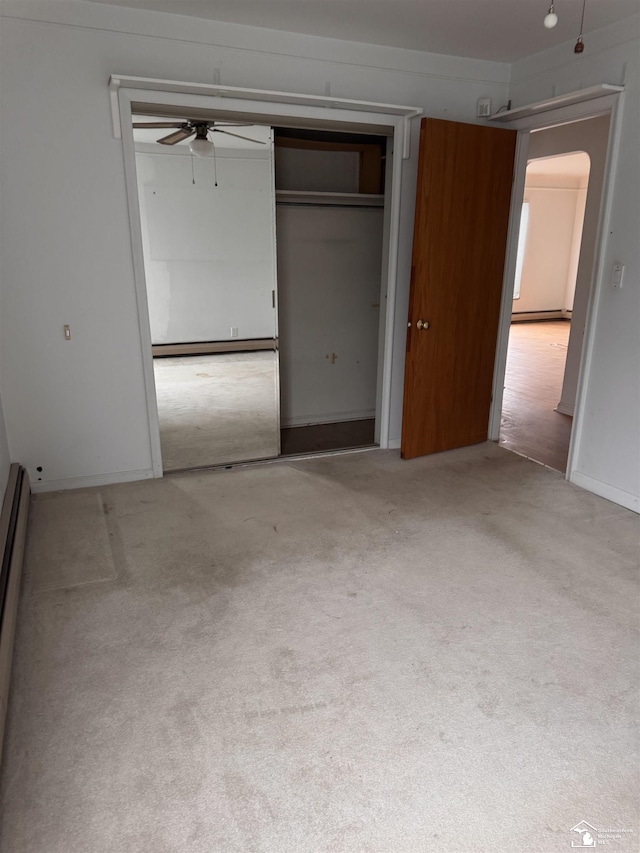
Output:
(459, 243)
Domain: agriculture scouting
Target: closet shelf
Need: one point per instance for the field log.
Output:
(343, 199)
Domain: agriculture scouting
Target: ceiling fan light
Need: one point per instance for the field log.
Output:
(551, 18)
(201, 147)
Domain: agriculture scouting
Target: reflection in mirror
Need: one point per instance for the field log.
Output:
(217, 408)
(208, 234)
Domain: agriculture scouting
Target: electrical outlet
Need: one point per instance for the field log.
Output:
(617, 276)
(234, 331)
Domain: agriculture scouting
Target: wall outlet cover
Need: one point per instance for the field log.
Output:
(484, 107)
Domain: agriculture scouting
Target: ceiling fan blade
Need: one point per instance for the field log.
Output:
(238, 136)
(178, 136)
(157, 124)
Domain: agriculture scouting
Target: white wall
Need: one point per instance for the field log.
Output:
(608, 452)
(550, 246)
(576, 245)
(209, 253)
(78, 408)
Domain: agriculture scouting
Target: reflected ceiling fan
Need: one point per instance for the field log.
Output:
(201, 145)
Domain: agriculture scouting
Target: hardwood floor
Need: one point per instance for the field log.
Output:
(533, 383)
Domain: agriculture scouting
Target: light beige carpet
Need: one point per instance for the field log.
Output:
(351, 653)
(215, 409)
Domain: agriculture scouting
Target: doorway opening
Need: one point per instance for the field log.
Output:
(218, 299)
(539, 388)
(538, 409)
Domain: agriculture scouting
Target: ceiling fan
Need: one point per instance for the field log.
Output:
(199, 129)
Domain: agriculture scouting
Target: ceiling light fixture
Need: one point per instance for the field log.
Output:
(201, 147)
(551, 18)
(579, 48)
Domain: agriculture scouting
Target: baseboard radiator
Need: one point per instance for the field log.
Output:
(213, 347)
(527, 316)
(13, 530)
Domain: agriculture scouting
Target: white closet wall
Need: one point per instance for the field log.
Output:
(329, 262)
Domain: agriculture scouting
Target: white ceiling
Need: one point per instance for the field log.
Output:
(499, 30)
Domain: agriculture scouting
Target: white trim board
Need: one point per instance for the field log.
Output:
(598, 280)
(570, 99)
(117, 81)
(566, 113)
(604, 490)
(91, 481)
(565, 408)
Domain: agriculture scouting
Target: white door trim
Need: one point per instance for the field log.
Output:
(144, 323)
(610, 104)
(332, 114)
(216, 90)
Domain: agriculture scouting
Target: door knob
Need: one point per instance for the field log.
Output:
(422, 324)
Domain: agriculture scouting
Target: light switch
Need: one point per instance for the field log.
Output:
(484, 107)
(67, 333)
(617, 276)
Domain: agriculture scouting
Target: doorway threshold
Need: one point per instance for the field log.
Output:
(276, 460)
(531, 459)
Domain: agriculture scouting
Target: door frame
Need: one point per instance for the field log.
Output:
(167, 97)
(612, 105)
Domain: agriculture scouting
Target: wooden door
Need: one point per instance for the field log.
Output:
(459, 244)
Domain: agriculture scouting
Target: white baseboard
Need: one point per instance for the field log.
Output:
(393, 444)
(565, 408)
(327, 418)
(605, 490)
(88, 482)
